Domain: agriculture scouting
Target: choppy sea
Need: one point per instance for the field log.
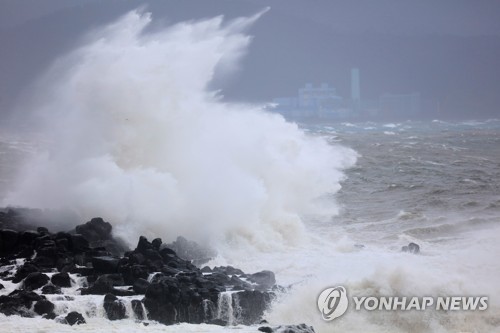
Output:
(433, 183)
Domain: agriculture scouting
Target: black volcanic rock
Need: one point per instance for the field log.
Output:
(239, 284)
(105, 264)
(61, 280)
(115, 309)
(253, 304)
(18, 302)
(137, 308)
(78, 243)
(228, 270)
(143, 245)
(141, 285)
(265, 279)
(50, 289)
(35, 280)
(174, 289)
(42, 230)
(8, 241)
(44, 307)
(411, 248)
(75, 318)
(95, 229)
(24, 271)
(301, 328)
(156, 243)
(98, 234)
(101, 286)
(28, 237)
(191, 251)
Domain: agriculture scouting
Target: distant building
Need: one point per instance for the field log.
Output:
(355, 89)
(311, 102)
(323, 103)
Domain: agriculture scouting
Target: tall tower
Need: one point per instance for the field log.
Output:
(355, 93)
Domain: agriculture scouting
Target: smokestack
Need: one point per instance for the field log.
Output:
(355, 93)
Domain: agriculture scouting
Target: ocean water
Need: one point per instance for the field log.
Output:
(128, 128)
(433, 183)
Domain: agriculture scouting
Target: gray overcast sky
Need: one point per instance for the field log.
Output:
(449, 50)
(460, 17)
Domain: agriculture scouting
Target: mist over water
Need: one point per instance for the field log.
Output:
(135, 135)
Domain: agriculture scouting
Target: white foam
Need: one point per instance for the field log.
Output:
(136, 136)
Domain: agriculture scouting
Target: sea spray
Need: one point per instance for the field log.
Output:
(135, 135)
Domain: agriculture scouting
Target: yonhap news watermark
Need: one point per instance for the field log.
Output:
(333, 302)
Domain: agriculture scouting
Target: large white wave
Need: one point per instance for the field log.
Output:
(135, 135)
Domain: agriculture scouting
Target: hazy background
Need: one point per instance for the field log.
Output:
(448, 50)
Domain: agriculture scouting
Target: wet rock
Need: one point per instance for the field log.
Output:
(35, 280)
(153, 255)
(411, 248)
(102, 286)
(143, 245)
(239, 284)
(191, 251)
(42, 230)
(206, 269)
(24, 271)
(105, 264)
(137, 308)
(50, 316)
(83, 271)
(95, 229)
(156, 243)
(28, 237)
(302, 328)
(228, 270)
(167, 253)
(160, 298)
(132, 273)
(218, 278)
(44, 307)
(253, 304)
(115, 246)
(45, 262)
(9, 239)
(140, 286)
(115, 309)
(179, 292)
(264, 279)
(61, 280)
(137, 258)
(51, 289)
(75, 318)
(78, 243)
(18, 302)
(116, 279)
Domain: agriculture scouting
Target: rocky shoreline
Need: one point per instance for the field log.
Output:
(42, 273)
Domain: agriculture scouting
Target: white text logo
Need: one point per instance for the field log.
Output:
(332, 302)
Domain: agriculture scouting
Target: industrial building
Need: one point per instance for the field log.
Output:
(322, 102)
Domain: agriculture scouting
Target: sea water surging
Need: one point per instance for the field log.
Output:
(135, 135)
